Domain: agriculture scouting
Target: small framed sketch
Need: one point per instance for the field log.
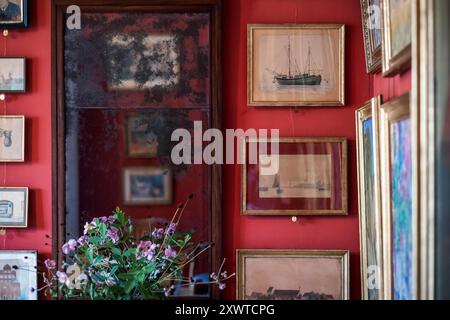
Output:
(400, 219)
(372, 31)
(369, 198)
(310, 177)
(18, 276)
(397, 35)
(12, 138)
(13, 14)
(141, 141)
(12, 75)
(296, 65)
(292, 275)
(147, 186)
(13, 207)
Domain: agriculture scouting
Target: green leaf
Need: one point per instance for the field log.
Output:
(90, 255)
(103, 230)
(129, 252)
(95, 240)
(116, 251)
(130, 285)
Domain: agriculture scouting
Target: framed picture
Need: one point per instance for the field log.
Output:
(12, 75)
(311, 178)
(369, 197)
(12, 138)
(372, 31)
(141, 140)
(147, 186)
(13, 207)
(397, 35)
(292, 275)
(296, 65)
(18, 275)
(399, 218)
(13, 14)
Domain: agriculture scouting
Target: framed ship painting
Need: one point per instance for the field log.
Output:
(397, 35)
(296, 65)
(18, 276)
(399, 214)
(12, 75)
(372, 31)
(310, 177)
(13, 14)
(292, 275)
(369, 197)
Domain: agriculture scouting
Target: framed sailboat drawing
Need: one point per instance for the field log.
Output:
(296, 65)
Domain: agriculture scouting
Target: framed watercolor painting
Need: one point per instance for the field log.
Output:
(13, 207)
(140, 140)
(12, 75)
(147, 186)
(18, 276)
(311, 178)
(13, 14)
(292, 275)
(399, 218)
(12, 138)
(372, 31)
(296, 65)
(369, 198)
(397, 35)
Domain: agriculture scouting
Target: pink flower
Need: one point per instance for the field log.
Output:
(169, 252)
(50, 264)
(113, 234)
(88, 226)
(69, 247)
(63, 278)
(83, 240)
(146, 249)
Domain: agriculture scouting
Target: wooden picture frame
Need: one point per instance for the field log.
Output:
(18, 274)
(396, 41)
(369, 199)
(13, 207)
(399, 185)
(372, 33)
(12, 138)
(313, 85)
(284, 274)
(19, 6)
(13, 75)
(260, 198)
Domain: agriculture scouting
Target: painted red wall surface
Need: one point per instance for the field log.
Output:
(238, 231)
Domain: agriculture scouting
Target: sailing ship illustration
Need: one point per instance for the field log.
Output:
(294, 77)
(318, 185)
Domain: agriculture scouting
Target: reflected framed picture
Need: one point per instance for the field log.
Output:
(12, 75)
(369, 199)
(140, 140)
(18, 276)
(372, 31)
(400, 219)
(147, 186)
(397, 35)
(292, 275)
(296, 65)
(13, 14)
(12, 138)
(13, 207)
(310, 177)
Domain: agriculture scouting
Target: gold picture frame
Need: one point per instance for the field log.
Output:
(370, 214)
(399, 206)
(293, 89)
(396, 56)
(291, 290)
(340, 197)
(372, 32)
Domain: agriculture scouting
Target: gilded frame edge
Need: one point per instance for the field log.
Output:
(373, 57)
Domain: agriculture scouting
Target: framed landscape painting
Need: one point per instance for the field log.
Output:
(372, 31)
(12, 75)
(292, 275)
(13, 14)
(18, 276)
(369, 198)
(12, 138)
(296, 65)
(399, 216)
(310, 179)
(13, 207)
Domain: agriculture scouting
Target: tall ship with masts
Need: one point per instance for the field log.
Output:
(309, 77)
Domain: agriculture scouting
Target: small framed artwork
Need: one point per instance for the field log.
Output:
(12, 75)
(296, 65)
(310, 177)
(12, 138)
(397, 35)
(369, 198)
(141, 141)
(13, 14)
(18, 275)
(292, 275)
(372, 31)
(147, 186)
(400, 219)
(13, 207)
